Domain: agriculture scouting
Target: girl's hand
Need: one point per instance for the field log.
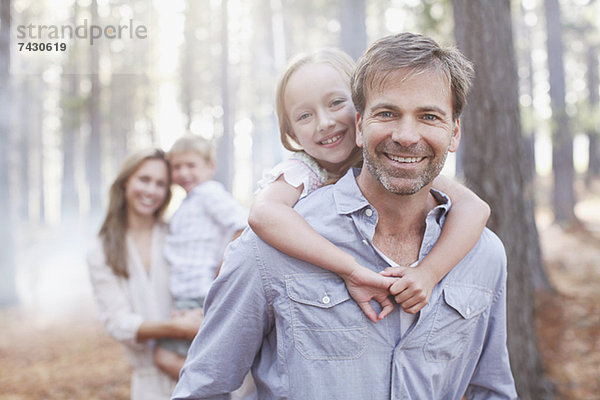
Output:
(413, 288)
(365, 285)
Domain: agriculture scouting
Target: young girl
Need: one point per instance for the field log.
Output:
(317, 122)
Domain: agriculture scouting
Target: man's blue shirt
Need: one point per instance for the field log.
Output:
(299, 331)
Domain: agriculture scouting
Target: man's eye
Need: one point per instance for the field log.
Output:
(385, 114)
(429, 117)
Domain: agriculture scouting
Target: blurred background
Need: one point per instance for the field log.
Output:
(84, 82)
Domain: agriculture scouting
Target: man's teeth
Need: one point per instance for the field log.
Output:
(331, 140)
(405, 159)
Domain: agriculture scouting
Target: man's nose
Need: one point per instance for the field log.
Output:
(406, 132)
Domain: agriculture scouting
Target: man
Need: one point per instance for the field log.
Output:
(295, 325)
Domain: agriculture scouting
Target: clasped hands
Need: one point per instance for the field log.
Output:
(410, 287)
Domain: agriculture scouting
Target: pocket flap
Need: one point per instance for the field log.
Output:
(320, 290)
(469, 301)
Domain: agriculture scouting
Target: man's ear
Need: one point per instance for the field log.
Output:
(455, 138)
(358, 128)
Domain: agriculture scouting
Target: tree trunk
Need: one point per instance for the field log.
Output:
(265, 138)
(563, 193)
(592, 133)
(225, 150)
(8, 292)
(494, 164)
(353, 17)
(94, 145)
(71, 125)
(23, 130)
(529, 129)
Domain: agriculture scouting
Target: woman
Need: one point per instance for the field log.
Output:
(130, 276)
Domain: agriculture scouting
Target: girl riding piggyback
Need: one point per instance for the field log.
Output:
(317, 123)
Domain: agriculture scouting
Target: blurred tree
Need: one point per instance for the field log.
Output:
(23, 129)
(71, 103)
(494, 163)
(353, 21)
(188, 66)
(225, 149)
(563, 193)
(265, 142)
(524, 46)
(592, 127)
(8, 293)
(94, 143)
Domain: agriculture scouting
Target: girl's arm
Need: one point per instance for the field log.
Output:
(463, 227)
(272, 218)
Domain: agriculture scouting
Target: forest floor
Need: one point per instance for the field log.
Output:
(65, 354)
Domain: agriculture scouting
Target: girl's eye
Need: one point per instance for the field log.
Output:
(337, 102)
(145, 179)
(303, 116)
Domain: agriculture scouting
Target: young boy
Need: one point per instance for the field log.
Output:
(207, 220)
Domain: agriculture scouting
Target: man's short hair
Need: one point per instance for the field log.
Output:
(193, 144)
(415, 53)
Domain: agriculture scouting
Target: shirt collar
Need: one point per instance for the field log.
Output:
(347, 195)
(349, 199)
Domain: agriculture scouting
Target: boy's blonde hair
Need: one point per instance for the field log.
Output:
(193, 144)
(339, 60)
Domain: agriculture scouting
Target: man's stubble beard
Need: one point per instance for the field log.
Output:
(387, 177)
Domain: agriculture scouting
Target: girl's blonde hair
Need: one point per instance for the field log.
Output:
(114, 228)
(339, 60)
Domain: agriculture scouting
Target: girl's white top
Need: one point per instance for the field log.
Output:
(299, 169)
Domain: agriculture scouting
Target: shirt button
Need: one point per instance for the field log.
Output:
(468, 311)
(369, 212)
(326, 299)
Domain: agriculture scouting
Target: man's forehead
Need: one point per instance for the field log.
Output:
(383, 81)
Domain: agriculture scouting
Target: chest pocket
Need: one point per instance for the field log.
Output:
(326, 323)
(455, 321)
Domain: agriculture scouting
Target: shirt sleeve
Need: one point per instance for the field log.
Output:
(114, 307)
(295, 172)
(223, 208)
(237, 317)
(493, 378)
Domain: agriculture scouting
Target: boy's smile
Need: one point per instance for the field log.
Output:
(190, 169)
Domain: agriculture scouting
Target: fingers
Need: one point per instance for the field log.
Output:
(388, 306)
(394, 271)
(369, 311)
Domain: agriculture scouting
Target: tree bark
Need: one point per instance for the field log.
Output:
(563, 193)
(8, 292)
(94, 145)
(592, 134)
(353, 17)
(494, 164)
(225, 149)
(71, 126)
(265, 137)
